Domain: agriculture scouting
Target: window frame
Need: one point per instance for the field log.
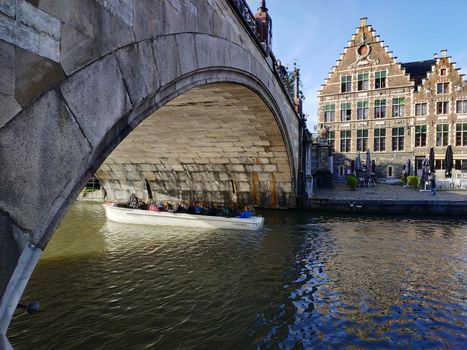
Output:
(379, 140)
(458, 164)
(380, 109)
(363, 81)
(380, 77)
(442, 135)
(463, 106)
(442, 87)
(346, 86)
(422, 110)
(398, 139)
(439, 164)
(444, 107)
(399, 107)
(346, 141)
(347, 110)
(461, 134)
(362, 140)
(362, 110)
(420, 135)
(332, 112)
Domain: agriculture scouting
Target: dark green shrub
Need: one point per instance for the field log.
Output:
(404, 179)
(413, 181)
(352, 181)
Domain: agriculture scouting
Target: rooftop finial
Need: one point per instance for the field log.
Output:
(444, 53)
(263, 5)
(363, 21)
(435, 55)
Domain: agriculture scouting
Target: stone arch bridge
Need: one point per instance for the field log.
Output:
(173, 98)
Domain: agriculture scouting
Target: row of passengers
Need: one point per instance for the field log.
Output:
(200, 208)
(203, 209)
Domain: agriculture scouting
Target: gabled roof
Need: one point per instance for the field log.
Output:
(418, 70)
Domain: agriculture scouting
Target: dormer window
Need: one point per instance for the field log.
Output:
(442, 88)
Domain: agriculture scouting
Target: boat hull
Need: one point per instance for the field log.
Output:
(146, 217)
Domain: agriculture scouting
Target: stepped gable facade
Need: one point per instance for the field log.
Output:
(396, 110)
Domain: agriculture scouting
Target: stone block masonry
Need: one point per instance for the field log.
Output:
(161, 97)
(26, 26)
(233, 166)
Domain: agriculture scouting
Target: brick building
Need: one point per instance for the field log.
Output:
(397, 110)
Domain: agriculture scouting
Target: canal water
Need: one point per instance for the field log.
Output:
(307, 281)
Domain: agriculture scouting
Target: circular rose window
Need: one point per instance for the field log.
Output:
(363, 50)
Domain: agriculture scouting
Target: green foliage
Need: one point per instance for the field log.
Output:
(404, 179)
(413, 181)
(289, 82)
(352, 181)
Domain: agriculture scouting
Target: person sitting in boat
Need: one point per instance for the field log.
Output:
(246, 213)
(136, 203)
(181, 207)
(198, 208)
(152, 206)
(133, 201)
(212, 210)
(234, 212)
(169, 207)
(190, 209)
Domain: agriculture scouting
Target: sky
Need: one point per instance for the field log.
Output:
(315, 32)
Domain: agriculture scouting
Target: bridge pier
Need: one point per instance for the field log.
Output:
(17, 284)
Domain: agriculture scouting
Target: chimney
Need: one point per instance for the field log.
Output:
(363, 21)
(444, 53)
(435, 55)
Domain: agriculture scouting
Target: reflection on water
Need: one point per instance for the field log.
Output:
(306, 281)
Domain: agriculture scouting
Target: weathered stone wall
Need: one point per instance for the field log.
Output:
(231, 152)
(118, 62)
(77, 77)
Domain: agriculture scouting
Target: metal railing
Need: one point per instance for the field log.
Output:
(244, 11)
(247, 17)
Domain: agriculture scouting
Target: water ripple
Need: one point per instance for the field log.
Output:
(306, 282)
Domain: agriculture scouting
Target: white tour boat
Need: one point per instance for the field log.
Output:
(147, 217)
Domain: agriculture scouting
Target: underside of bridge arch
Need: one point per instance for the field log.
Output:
(219, 142)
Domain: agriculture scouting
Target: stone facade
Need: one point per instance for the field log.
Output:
(369, 100)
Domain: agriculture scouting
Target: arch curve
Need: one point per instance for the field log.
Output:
(95, 92)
